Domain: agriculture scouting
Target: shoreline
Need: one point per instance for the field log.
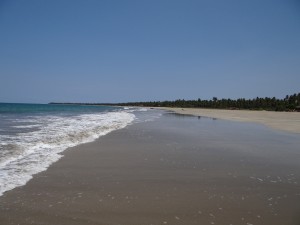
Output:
(173, 170)
(283, 121)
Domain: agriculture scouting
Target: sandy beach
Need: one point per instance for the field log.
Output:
(285, 121)
(174, 170)
(88, 132)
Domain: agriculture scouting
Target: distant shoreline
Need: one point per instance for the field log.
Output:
(284, 121)
(280, 120)
(288, 104)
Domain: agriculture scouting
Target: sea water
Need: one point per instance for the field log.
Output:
(32, 136)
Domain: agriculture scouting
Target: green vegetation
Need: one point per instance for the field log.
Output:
(289, 103)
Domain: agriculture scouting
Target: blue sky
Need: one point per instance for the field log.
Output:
(119, 51)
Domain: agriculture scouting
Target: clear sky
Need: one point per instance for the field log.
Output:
(126, 50)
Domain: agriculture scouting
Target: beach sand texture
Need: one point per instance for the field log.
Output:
(285, 121)
(174, 170)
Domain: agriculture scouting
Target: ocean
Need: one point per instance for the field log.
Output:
(33, 136)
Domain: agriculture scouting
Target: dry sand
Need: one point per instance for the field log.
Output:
(285, 121)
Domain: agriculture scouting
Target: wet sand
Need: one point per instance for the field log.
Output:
(285, 121)
(174, 170)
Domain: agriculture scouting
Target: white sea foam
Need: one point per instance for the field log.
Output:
(135, 109)
(151, 115)
(143, 110)
(26, 154)
(27, 126)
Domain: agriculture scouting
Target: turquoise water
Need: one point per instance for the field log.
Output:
(51, 108)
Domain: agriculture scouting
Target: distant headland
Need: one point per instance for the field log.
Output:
(288, 103)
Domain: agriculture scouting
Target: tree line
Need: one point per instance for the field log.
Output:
(289, 103)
